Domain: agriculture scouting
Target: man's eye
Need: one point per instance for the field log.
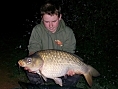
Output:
(54, 21)
(46, 21)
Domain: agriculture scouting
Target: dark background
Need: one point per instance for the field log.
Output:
(94, 22)
(14, 15)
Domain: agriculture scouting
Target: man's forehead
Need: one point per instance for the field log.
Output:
(50, 18)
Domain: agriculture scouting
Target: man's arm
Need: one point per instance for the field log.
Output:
(34, 41)
(70, 44)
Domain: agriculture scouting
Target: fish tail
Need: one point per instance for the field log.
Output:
(91, 72)
(88, 78)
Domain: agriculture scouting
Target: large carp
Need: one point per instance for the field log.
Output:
(56, 63)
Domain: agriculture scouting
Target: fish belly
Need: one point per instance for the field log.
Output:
(54, 70)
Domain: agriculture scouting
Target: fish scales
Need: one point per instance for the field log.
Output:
(56, 63)
(59, 56)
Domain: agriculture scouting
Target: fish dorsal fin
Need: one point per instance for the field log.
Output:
(58, 81)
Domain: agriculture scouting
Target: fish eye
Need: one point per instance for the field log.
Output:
(29, 60)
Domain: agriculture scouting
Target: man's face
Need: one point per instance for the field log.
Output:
(51, 22)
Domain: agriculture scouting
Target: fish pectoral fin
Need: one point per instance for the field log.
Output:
(39, 72)
(88, 78)
(58, 81)
(44, 78)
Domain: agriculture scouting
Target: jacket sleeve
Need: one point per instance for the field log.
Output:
(70, 42)
(34, 41)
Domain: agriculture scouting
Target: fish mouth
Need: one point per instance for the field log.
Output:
(21, 63)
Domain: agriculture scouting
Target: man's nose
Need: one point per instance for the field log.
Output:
(50, 24)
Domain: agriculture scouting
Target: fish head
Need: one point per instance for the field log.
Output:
(31, 63)
(26, 62)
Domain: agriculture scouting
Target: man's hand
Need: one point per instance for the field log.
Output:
(29, 70)
(70, 73)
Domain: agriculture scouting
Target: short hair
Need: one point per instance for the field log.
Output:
(50, 8)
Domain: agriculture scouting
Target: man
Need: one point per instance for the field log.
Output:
(52, 33)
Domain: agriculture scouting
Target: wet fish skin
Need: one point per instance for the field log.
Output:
(56, 63)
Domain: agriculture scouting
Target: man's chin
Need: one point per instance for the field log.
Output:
(53, 31)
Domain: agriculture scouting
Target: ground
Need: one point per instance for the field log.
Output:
(9, 76)
(6, 80)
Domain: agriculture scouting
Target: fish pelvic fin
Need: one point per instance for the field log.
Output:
(93, 72)
(88, 78)
(58, 81)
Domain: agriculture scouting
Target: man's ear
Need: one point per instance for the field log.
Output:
(60, 16)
